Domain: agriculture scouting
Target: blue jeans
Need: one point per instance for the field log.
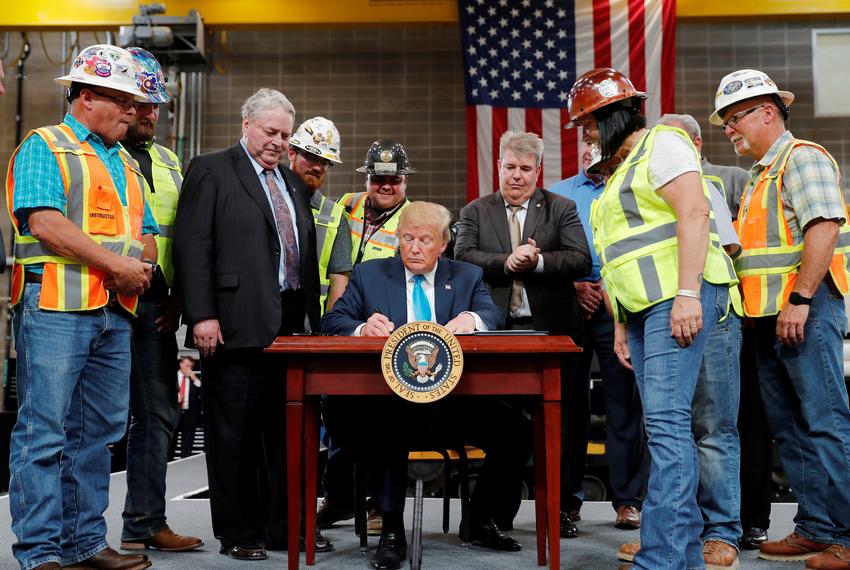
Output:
(73, 374)
(806, 404)
(715, 427)
(667, 376)
(153, 410)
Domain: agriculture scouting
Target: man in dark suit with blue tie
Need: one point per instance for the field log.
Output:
(419, 285)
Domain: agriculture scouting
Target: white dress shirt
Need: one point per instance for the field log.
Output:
(524, 310)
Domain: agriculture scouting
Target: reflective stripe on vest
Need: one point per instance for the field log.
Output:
(167, 180)
(634, 233)
(769, 260)
(94, 206)
(327, 219)
(383, 242)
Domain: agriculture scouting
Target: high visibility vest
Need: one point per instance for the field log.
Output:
(93, 205)
(717, 181)
(327, 219)
(769, 260)
(167, 180)
(383, 242)
(634, 233)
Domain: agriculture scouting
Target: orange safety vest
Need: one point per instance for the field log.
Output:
(93, 205)
(769, 260)
(383, 242)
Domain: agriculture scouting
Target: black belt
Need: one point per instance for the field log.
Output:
(30, 277)
(522, 321)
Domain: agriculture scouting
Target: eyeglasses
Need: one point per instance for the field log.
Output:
(123, 104)
(733, 120)
(313, 159)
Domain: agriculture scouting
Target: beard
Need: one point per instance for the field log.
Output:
(312, 181)
(138, 133)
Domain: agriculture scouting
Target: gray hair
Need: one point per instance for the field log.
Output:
(688, 123)
(426, 213)
(521, 143)
(266, 100)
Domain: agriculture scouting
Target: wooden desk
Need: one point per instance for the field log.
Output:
(493, 365)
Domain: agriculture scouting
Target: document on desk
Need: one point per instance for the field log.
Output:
(523, 332)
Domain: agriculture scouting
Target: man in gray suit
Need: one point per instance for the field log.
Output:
(532, 247)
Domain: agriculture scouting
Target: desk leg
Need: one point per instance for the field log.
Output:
(294, 450)
(311, 458)
(552, 429)
(540, 495)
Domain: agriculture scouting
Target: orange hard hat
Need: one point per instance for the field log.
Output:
(597, 88)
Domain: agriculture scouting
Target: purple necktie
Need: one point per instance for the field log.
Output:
(285, 231)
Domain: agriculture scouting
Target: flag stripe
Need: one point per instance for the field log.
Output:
(472, 148)
(602, 33)
(637, 43)
(485, 153)
(552, 128)
(620, 43)
(667, 65)
(500, 125)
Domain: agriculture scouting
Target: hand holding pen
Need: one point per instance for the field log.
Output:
(377, 325)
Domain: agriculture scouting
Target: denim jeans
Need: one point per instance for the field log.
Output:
(806, 403)
(667, 376)
(73, 373)
(153, 410)
(715, 427)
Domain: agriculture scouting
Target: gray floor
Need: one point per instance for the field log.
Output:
(594, 549)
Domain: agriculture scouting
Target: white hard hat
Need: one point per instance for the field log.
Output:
(744, 84)
(106, 66)
(318, 136)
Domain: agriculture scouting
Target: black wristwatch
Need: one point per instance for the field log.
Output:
(797, 299)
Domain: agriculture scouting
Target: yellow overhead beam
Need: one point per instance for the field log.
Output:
(220, 14)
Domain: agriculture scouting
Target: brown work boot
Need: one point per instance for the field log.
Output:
(628, 551)
(108, 559)
(718, 555)
(836, 557)
(792, 547)
(165, 540)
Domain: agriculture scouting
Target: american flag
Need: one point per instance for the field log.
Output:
(521, 57)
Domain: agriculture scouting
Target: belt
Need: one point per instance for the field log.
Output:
(30, 277)
(520, 321)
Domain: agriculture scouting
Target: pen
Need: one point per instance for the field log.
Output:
(377, 310)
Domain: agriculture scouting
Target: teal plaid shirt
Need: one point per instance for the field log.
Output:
(810, 187)
(38, 182)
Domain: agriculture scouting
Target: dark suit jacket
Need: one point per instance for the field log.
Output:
(380, 284)
(485, 240)
(227, 251)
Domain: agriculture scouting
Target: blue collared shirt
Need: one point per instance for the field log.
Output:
(281, 183)
(583, 191)
(38, 181)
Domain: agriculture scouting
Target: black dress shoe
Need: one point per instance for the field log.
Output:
(392, 551)
(568, 527)
(488, 534)
(246, 551)
(752, 538)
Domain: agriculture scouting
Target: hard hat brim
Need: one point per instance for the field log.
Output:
(404, 171)
(786, 96)
(67, 80)
(326, 157)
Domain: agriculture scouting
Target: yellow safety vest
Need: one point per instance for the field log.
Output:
(383, 242)
(769, 260)
(167, 180)
(327, 219)
(634, 233)
(94, 206)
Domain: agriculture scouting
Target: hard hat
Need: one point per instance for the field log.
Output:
(386, 157)
(318, 136)
(149, 76)
(597, 88)
(744, 84)
(106, 66)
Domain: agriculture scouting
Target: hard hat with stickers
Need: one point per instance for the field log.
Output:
(318, 136)
(744, 84)
(105, 66)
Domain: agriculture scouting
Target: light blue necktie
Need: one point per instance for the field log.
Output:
(421, 308)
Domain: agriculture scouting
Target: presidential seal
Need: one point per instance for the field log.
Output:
(422, 361)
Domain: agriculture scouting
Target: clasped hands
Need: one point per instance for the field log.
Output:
(129, 276)
(523, 258)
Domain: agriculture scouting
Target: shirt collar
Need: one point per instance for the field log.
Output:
(429, 277)
(258, 168)
(524, 205)
(583, 179)
(775, 149)
(84, 133)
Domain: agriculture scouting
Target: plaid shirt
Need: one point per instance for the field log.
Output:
(372, 223)
(810, 186)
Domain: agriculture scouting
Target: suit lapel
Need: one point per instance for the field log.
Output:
(443, 292)
(495, 206)
(533, 216)
(397, 293)
(251, 182)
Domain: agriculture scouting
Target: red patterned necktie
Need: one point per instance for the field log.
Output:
(285, 231)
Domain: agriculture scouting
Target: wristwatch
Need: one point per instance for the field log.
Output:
(797, 299)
